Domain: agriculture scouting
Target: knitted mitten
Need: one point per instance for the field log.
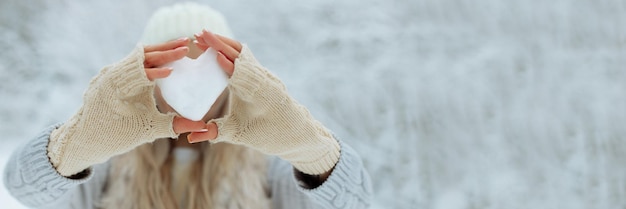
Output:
(118, 114)
(264, 117)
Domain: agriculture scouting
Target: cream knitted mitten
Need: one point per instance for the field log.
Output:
(118, 114)
(264, 117)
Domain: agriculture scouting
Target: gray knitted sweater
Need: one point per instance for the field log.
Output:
(31, 179)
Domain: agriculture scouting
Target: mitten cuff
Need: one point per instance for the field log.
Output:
(128, 76)
(56, 148)
(319, 162)
(163, 126)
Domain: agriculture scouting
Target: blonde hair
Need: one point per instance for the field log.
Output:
(225, 176)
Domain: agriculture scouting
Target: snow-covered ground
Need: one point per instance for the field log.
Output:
(453, 104)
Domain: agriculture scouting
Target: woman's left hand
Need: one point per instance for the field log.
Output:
(228, 49)
(262, 115)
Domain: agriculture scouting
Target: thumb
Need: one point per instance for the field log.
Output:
(210, 134)
(183, 125)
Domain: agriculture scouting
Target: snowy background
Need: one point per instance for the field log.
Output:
(453, 104)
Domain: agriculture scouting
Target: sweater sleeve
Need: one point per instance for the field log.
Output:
(30, 178)
(348, 186)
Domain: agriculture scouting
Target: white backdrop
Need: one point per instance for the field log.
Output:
(453, 104)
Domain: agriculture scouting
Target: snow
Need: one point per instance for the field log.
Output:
(5, 199)
(452, 104)
(194, 85)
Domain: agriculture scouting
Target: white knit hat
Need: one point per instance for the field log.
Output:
(183, 20)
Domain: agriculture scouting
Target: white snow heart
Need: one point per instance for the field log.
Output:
(194, 85)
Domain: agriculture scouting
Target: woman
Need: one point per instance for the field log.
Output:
(117, 150)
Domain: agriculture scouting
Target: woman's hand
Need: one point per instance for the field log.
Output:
(261, 114)
(119, 112)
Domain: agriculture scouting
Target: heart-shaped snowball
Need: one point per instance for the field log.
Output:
(194, 85)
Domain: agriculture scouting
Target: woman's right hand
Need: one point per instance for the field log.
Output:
(119, 111)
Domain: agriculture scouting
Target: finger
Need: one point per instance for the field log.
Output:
(167, 45)
(158, 58)
(226, 64)
(210, 134)
(201, 45)
(199, 38)
(235, 44)
(217, 44)
(183, 125)
(156, 73)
